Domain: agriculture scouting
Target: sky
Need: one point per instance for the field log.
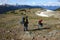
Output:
(31, 2)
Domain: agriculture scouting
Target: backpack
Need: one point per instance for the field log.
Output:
(40, 21)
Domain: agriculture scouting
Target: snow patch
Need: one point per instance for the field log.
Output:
(42, 14)
(49, 10)
(47, 13)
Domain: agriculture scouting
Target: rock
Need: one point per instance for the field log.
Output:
(26, 36)
(7, 31)
(55, 34)
(58, 26)
(12, 39)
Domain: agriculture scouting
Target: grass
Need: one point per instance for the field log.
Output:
(10, 21)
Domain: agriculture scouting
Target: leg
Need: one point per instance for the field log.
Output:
(39, 26)
(26, 27)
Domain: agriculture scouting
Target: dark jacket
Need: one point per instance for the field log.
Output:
(26, 23)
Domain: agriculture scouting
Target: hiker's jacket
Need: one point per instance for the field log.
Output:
(26, 23)
(40, 21)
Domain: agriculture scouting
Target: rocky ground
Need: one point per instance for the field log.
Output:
(12, 29)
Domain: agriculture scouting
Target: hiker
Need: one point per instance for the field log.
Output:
(23, 20)
(26, 24)
(40, 24)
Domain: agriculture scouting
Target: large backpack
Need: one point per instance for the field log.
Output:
(40, 21)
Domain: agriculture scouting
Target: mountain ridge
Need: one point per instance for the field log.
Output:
(5, 8)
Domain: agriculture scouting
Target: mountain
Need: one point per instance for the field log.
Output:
(4, 8)
(7, 7)
(57, 9)
(50, 7)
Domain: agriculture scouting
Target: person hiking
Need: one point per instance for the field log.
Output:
(23, 20)
(26, 24)
(40, 24)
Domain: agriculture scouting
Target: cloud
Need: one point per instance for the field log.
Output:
(3, 1)
(33, 3)
(0, 3)
(50, 4)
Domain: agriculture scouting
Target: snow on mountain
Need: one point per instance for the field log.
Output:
(47, 13)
